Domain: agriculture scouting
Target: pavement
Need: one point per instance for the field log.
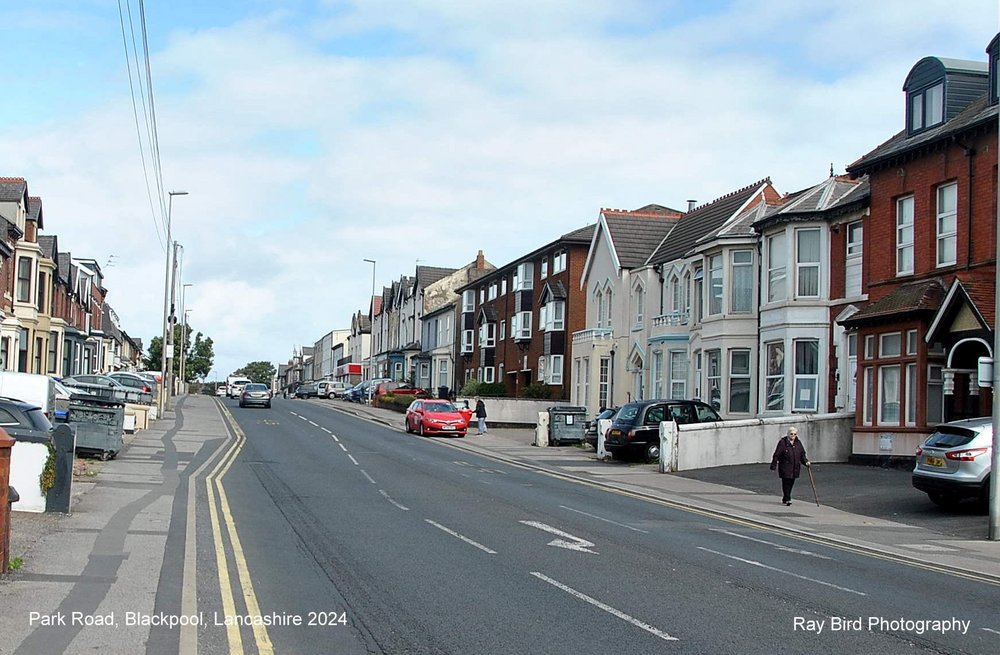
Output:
(115, 536)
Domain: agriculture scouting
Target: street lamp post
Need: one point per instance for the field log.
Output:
(166, 310)
(184, 311)
(371, 349)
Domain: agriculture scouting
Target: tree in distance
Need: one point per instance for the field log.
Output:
(262, 372)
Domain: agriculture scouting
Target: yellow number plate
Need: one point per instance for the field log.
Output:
(934, 461)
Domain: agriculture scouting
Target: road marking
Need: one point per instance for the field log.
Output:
(335, 437)
(351, 457)
(365, 473)
(327, 430)
(386, 496)
(794, 575)
(342, 446)
(462, 537)
(607, 608)
(601, 518)
(787, 549)
(568, 541)
(996, 632)
(316, 425)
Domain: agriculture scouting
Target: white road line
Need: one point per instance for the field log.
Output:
(351, 457)
(463, 538)
(569, 542)
(342, 446)
(335, 437)
(601, 518)
(786, 549)
(302, 417)
(607, 608)
(386, 496)
(794, 575)
(996, 632)
(314, 424)
(327, 430)
(365, 473)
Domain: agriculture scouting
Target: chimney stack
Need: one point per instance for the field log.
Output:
(691, 204)
(480, 261)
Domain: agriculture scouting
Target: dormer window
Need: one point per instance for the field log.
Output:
(927, 107)
(993, 50)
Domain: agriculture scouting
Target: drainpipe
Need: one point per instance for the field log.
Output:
(970, 153)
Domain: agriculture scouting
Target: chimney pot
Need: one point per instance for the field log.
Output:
(691, 204)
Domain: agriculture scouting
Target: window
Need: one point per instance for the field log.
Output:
(640, 302)
(852, 268)
(678, 374)
(523, 326)
(541, 369)
(714, 285)
(23, 281)
(503, 330)
(869, 346)
(603, 381)
(774, 380)
(524, 272)
(911, 394)
(543, 269)
(556, 369)
(53, 354)
(482, 295)
(443, 379)
(22, 350)
(807, 263)
(467, 337)
(503, 286)
(714, 379)
(741, 299)
(911, 342)
(39, 349)
(40, 294)
(468, 300)
(806, 375)
(947, 230)
(739, 381)
(927, 107)
(555, 316)
(776, 254)
(488, 335)
(699, 292)
(888, 385)
(489, 374)
(935, 395)
(676, 295)
(542, 315)
(869, 396)
(656, 373)
(889, 344)
(492, 293)
(904, 236)
(559, 262)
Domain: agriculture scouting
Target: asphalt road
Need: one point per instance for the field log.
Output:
(409, 546)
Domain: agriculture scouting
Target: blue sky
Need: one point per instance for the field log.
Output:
(311, 135)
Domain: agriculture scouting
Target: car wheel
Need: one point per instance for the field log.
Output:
(555, 442)
(406, 424)
(942, 499)
(267, 406)
(422, 434)
(652, 453)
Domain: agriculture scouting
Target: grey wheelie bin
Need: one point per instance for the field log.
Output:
(100, 425)
(567, 424)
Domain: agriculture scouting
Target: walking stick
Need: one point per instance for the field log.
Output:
(812, 480)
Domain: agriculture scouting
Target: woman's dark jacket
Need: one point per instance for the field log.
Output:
(788, 458)
(480, 409)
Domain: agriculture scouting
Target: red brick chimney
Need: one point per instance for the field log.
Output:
(480, 261)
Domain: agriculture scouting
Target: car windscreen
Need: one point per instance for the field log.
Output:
(439, 407)
(628, 413)
(38, 420)
(256, 386)
(950, 436)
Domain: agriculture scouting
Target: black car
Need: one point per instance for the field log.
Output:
(21, 419)
(591, 434)
(636, 427)
(307, 390)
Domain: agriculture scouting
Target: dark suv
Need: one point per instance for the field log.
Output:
(22, 420)
(636, 426)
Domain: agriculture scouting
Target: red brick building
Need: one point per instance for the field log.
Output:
(515, 324)
(929, 259)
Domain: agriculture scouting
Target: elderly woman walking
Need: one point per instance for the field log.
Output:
(788, 457)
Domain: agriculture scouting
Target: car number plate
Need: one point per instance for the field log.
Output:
(448, 427)
(934, 461)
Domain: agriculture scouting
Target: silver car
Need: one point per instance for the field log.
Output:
(954, 462)
(255, 394)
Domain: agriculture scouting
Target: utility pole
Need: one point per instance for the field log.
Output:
(163, 395)
(173, 321)
(994, 522)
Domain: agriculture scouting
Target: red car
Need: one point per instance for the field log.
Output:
(435, 417)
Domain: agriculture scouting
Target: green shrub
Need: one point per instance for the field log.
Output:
(487, 389)
(536, 390)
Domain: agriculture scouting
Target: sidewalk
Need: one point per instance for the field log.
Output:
(979, 559)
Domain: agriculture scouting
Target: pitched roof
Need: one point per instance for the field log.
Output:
(13, 189)
(979, 113)
(35, 210)
(635, 234)
(982, 292)
(580, 235)
(916, 297)
(49, 245)
(827, 199)
(700, 221)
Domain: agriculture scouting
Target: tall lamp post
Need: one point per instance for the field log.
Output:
(166, 307)
(371, 349)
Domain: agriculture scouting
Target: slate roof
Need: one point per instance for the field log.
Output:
(581, 235)
(827, 199)
(35, 210)
(487, 313)
(555, 290)
(107, 325)
(13, 189)
(700, 221)
(49, 246)
(427, 275)
(980, 112)
(925, 296)
(635, 234)
(65, 267)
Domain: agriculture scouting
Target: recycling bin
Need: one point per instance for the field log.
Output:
(100, 425)
(567, 424)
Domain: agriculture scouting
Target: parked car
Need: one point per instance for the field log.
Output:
(22, 419)
(331, 388)
(134, 381)
(256, 394)
(359, 392)
(954, 462)
(590, 436)
(399, 389)
(220, 390)
(307, 390)
(435, 417)
(636, 427)
(463, 408)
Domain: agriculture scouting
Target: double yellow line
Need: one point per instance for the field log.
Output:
(213, 483)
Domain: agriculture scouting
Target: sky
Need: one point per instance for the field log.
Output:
(310, 135)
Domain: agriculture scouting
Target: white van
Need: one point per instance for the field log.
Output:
(32, 388)
(331, 389)
(235, 384)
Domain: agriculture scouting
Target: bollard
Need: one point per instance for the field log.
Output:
(603, 425)
(6, 443)
(59, 497)
(668, 446)
(542, 430)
